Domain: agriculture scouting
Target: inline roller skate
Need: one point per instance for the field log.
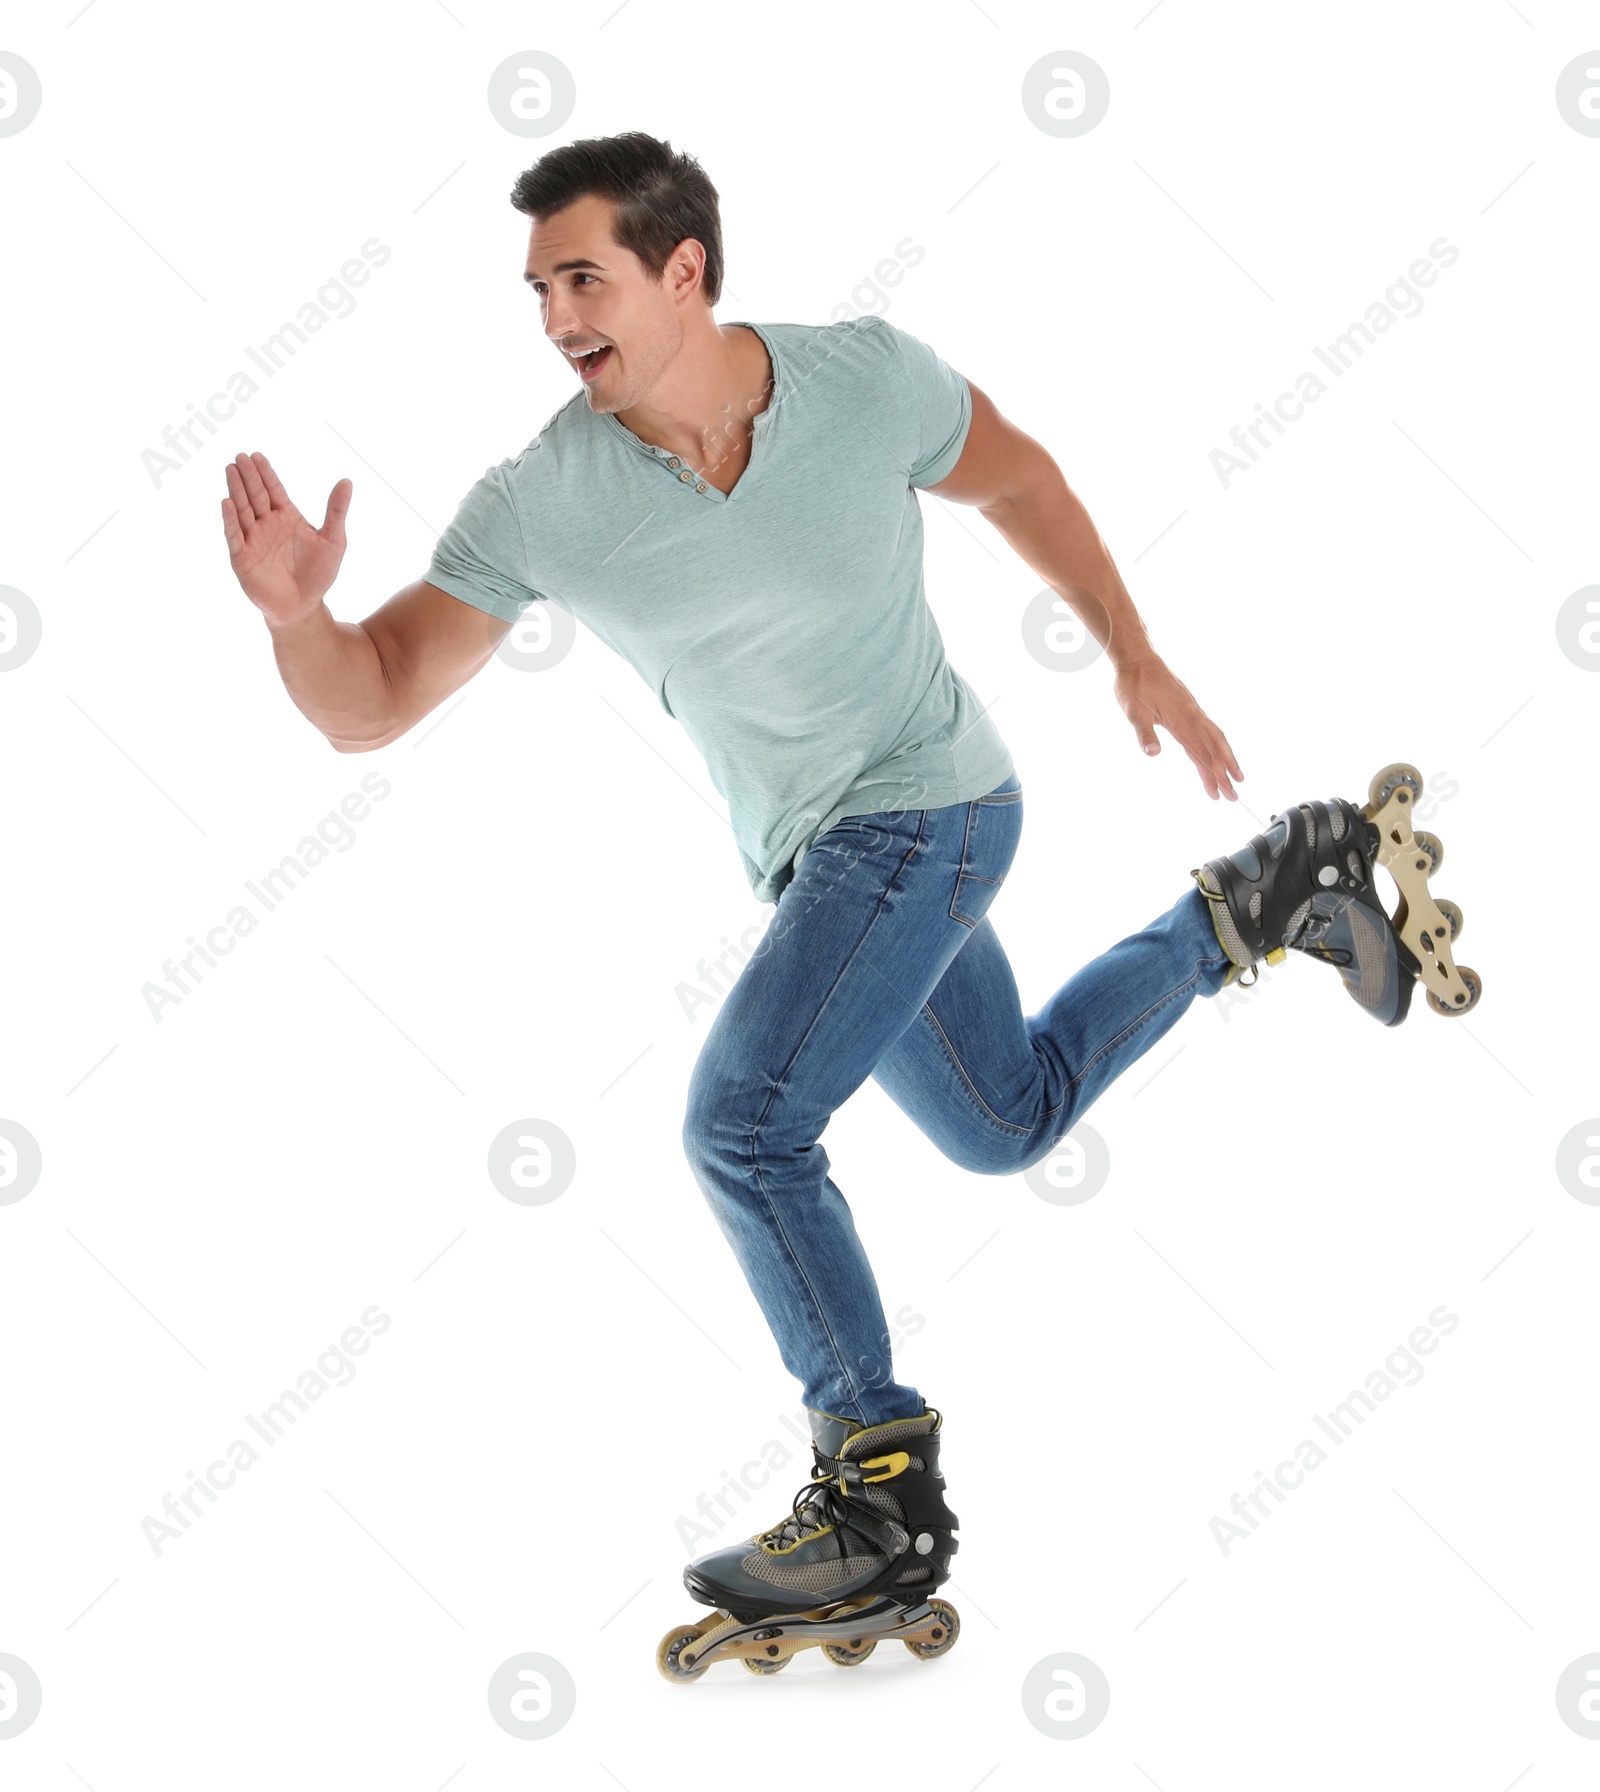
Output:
(856, 1561)
(1307, 885)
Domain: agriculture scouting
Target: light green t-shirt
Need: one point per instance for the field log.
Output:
(784, 624)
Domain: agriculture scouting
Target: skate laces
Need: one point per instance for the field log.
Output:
(817, 1507)
(812, 1511)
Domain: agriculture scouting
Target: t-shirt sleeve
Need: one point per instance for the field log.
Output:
(941, 408)
(481, 558)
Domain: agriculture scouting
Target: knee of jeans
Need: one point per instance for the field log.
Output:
(998, 1152)
(700, 1125)
(722, 1120)
(744, 1123)
(1032, 1150)
(1018, 1152)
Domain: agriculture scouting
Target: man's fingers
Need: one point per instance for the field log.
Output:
(1200, 737)
(1206, 766)
(1218, 757)
(255, 491)
(240, 493)
(272, 482)
(338, 504)
(241, 498)
(1211, 761)
(1225, 759)
(1215, 769)
(1221, 751)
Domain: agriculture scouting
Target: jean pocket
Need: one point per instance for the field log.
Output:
(972, 898)
(994, 825)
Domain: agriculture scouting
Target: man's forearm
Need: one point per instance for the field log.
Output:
(1050, 531)
(335, 677)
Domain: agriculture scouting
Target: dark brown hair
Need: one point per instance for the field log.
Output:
(661, 196)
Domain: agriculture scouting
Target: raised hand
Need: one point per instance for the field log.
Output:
(284, 565)
(1150, 694)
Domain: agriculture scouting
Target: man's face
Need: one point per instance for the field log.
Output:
(595, 294)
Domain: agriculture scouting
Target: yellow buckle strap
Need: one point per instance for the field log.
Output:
(893, 1464)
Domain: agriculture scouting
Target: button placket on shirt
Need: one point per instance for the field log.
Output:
(675, 463)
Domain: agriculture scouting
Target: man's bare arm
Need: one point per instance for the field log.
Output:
(1015, 483)
(363, 684)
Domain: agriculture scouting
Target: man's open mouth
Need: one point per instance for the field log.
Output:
(590, 364)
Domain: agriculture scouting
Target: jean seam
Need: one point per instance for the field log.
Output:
(754, 1163)
(972, 1090)
(1134, 1025)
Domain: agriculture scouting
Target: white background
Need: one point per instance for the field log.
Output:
(227, 1189)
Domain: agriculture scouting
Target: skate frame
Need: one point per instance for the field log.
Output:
(878, 1620)
(1420, 922)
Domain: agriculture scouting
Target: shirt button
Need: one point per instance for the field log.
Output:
(701, 486)
(674, 462)
(686, 474)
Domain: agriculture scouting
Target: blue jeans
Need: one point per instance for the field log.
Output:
(879, 961)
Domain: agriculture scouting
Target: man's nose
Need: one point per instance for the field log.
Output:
(559, 322)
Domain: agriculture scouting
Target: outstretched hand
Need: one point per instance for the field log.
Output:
(1150, 694)
(284, 563)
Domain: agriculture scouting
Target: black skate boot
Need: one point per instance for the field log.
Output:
(866, 1543)
(1307, 885)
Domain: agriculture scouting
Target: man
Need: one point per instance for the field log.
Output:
(731, 508)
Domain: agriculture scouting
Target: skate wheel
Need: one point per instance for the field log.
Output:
(1452, 914)
(949, 1624)
(1432, 846)
(1474, 990)
(669, 1654)
(759, 1664)
(847, 1657)
(1385, 783)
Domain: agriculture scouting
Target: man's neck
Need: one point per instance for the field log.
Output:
(707, 413)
